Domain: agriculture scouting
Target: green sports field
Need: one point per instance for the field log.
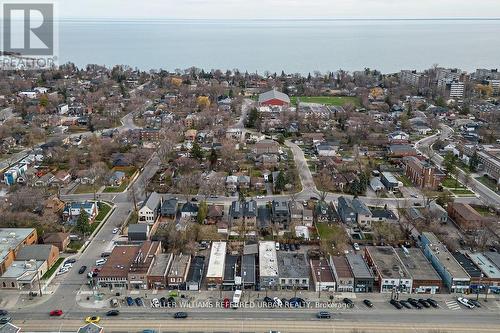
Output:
(327, 100)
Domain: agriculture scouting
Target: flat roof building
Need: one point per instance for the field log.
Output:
(177, 274)
(322, 275)
(11, 240)
(195, 274)
(425, 278)
(363, 276)
(215, 271)
(454, 277)
(268, 265)
(231, 272)
(293, 271)
(390, 273)
(248, 275)
(157, 276)
(342, 273)
(114, 272)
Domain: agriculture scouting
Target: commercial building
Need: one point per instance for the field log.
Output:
(216, 262)
(39, 252)
(454, 277)
(471, 268)
(422, 173)
(177, 274)
(389, 181)
(24, 275)
(157, 276)
(141, 266)
(274, 98)
(322, 275)
(363, 276)
(390, 273)
(293, 271)
(248, 274)
(425, 278)
(268, 265)
(466, 217)
(195, 274)
(342, 273)
(232, 277)
(11, 240)
(114, 273)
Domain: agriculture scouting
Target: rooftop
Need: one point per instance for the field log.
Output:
(494, 257)
(359, 268)
(387, 262)
(248, 268)
(273, 94)
(11, 238)
(23, 270)
(485, 265)
(231, 267)
(217, 260)
(292, 265)
(9, 328)
(196, 269)
(417, 264)
(321, 269)
(389, 177)
(268, 261)
(119, 262)
(179, 265)
(467, 264)
(161, 264)
(444, 256)
(35, 251)
(341, 267)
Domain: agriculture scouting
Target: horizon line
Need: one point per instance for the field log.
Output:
(282, 19)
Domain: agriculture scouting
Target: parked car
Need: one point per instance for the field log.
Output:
(268, 301)
(155, 303)
(171, 302)
(70, 261)
(92, 320)
(163, 302)
(82, 269)
(5, 320)
(292, 247)
(3, 312)
(475, 302)
(396, 304)
(356, 246)
(180, 315)
(55, 313)
(130, 301)
(296, 302)
(405, 304)
(115, 230)
(464, 301)
(432, 302)
(112, 313)
(324, 315)
(368, 303)
(424, 303)
(139, 301)
(414, 303)
(348, 302)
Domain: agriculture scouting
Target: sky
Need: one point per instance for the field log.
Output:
(277, 9)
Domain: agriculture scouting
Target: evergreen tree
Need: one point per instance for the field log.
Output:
(82, 224)
(196, 151)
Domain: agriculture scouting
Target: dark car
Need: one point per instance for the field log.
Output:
(396, 304)
(171, 302)
(424, 303)
(405, 304)
(432, 302)
(368, 303)
(180, 315)
(296, 302)
(3, 312)
(297, 246)
(324, 315)
(268, 301)
(163, 302)
(112, 313)
(5, 320)
(82, 269)
(139, 301)
(70, 261)
(348, 302)
(130, 301)
(292, 247)
(414, 303)
(476, 303)
(286, 247)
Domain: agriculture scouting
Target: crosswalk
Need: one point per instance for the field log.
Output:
(452, 305)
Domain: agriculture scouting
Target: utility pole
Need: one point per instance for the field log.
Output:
(319, 284)
(479, 286)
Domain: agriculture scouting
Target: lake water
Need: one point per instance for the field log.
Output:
(293, 46)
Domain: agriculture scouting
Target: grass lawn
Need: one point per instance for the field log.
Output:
(104, 209)
(83, 189)
(53, 269)
(451, 183)
(116, 189)
(326, 231)
(327, 100)
(75, 245)
(488, 182)
(405, 180)
(462, 192)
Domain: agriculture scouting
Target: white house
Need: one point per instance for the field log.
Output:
(150, 208)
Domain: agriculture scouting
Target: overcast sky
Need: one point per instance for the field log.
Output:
(281, 9)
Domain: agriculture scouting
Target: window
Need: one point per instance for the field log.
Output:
(13, 284)
(4, 285)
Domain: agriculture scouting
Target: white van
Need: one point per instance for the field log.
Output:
(100, 262)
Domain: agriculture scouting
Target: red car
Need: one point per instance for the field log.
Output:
(226, 303)
(56, 313)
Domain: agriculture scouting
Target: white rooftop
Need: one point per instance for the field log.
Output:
(268, 259)
(217, 260)
(485, 265)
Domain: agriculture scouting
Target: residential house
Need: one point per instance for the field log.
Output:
(215, 214)
(58, 239)
(266, 146)
(389, 181)
(150, 209)
(189, 210)
(169, 208)
(346, 210)
(72, 211)
(117, 178)
(280, 214)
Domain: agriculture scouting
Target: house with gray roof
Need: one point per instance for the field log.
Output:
(280, 214)
(169, 208)
(346, 210)
(363, 276)
(150, 209)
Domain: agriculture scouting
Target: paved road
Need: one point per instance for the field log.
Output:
(485, 194)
